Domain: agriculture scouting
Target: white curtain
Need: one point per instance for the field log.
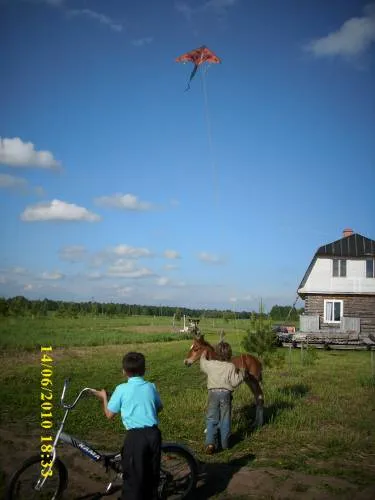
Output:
(329, 311)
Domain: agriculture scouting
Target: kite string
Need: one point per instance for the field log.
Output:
(209, 135)
(241, 348)
(215, 175)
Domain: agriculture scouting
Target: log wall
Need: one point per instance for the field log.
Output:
(355, 306)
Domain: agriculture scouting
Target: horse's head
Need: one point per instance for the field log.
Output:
(196, 349)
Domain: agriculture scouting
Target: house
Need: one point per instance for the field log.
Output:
(339, 290)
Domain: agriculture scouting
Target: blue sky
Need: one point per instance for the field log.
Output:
(118, 185)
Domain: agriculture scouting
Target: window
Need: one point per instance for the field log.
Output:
(370, 268)
(339, 268)
(333, 311)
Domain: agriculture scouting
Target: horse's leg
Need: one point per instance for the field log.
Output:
(256, 389)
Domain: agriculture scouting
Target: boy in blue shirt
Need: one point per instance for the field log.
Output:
(139, 403)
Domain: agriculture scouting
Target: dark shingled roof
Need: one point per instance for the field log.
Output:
(354, 245)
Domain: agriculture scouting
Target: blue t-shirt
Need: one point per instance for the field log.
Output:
(138, 401)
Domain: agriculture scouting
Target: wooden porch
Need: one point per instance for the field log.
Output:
(346, 334)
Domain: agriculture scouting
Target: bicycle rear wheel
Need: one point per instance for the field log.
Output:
(22, 483)
(178, 472)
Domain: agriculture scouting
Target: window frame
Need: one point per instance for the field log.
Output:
(333, 321)
(373, 268)
(341, 263)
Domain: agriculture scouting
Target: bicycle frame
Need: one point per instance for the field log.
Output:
(66, 438)
(110, 461)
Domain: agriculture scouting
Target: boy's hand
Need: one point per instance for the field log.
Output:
(100, 394)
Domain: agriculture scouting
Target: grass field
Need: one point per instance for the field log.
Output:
(26, 333)
(320, 418)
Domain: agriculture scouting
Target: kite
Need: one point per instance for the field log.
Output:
(197, 57)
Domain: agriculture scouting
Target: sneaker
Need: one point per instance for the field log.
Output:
(210, 449)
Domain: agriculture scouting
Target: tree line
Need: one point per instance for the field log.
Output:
(21, 306)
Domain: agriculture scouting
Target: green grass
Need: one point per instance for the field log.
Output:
(319, 417)
(26, 333)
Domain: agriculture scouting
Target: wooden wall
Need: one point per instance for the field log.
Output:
(355, 306)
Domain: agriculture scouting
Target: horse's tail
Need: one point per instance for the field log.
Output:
(261, 373)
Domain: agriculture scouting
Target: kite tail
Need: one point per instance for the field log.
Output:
(195, 69)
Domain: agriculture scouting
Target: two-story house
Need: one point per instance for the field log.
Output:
(339, 289)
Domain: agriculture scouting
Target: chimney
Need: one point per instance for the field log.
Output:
(347, 232)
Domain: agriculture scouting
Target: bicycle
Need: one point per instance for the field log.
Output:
(178, 468)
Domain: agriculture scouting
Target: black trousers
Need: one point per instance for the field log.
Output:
(141, 464)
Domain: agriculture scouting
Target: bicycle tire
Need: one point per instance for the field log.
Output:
(59, 469)
(177, 488)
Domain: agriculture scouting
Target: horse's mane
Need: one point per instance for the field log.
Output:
(211, 353)
(203, 342)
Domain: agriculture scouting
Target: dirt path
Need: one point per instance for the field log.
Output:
(217, 481)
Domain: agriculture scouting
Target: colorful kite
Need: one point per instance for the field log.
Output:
(198, 57)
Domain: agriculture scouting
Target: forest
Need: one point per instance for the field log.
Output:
(21, 306)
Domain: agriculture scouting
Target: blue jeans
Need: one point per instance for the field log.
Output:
(218, 418)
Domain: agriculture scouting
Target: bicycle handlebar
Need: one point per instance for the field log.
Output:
(71, 406)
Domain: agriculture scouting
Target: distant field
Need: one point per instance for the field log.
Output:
(319, 417)
(26, 333)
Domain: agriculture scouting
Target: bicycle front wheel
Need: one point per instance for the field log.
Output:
(22, 483)
(178, 473)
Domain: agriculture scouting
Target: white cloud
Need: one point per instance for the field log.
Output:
(108, 255)
(117, 291)
(19, 270)
(92, 14)
(18, 184)
(170, 267)
(16, 153)
(124, 202)
(162, 281)
(209, 258)
(352, 39)
(185, 9)
(218, 7)
(124, 291)
(102, 18)
(171, 254)
(233, 300)
(28, 287)
(59, 211)
(52, 276)
(127, 269)
(94, 275)
(140, 42)
(54, 3)
(73, 253)
(130, 252)
(10, 181)
(248, 298)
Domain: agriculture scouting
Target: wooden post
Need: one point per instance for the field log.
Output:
(290, 357)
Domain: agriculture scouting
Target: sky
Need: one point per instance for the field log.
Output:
(118, 185)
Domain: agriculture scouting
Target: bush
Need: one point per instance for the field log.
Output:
(262, 341)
